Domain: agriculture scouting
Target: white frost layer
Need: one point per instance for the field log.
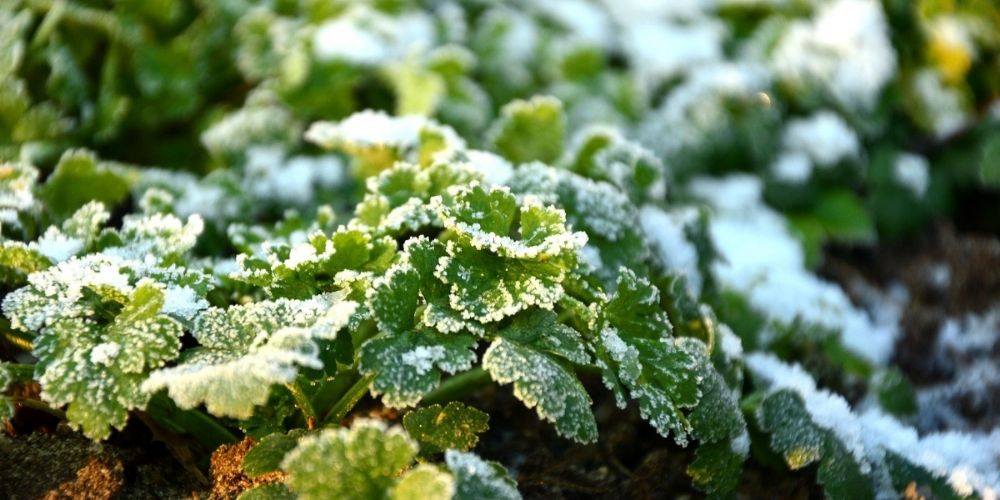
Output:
(364, 36)
(661, 50)
(369, 128)
(665, 232)
(824, 137)
(912, 172)
(845, 48)
(968, 461)
(763, 258)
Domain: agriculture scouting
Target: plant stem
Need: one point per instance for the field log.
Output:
(348, 400)
(17, 340)
(302, 401)
(35, 404)
(83, 16)
(459, 386)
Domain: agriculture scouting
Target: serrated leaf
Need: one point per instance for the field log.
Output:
(455, 426)
(801, 442)
(96, 369)
(723, 442)
(245, 350)
(544, 383)
(424, 482)
(323, 263)
(267, 455)
(494, 271)
(361, 462)
(476, 478)
(638, 354)
(532, 130)
(408, 365)
(394, 297)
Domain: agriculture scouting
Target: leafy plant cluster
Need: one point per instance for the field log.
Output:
(407, 202)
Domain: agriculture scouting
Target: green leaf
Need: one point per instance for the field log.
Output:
(247, 349)
(845, 217)
(543, 382)
(17, 261)
(97, 370)
(476, 478)
(394, 297)
(361, 462)
(494, 271)
(455, 426)
(424, 255)
(408, 365)
(424, 482)
(80, 178)
(530, 130)
(796, 437)
(717, 422)
(637, 353)
(989, 163)
(267, 454)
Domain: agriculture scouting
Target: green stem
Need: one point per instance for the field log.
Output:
(348, 400)
(84, 16)
(459, 386)
(302, 401)
(35, 404)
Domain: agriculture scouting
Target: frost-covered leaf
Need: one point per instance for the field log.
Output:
(96, 368)
(424, 481)
(79, 178)
(424, 255)
(363, 461)
(637, 354)
(455, 426)
(801, 442)
(476, 478)
(163, 236)
(17, 261)
(495, 271)
(398, 199)
(346, 258)
(723, 442)
(602, 211)
(409, 364)
(377, 140)
(394, 297)
(543, 379)
(245, 350)
(532, 130)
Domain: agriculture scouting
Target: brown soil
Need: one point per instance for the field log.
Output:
(228, 479)
(64, 464)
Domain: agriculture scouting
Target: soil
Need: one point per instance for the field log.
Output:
(948, 275)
